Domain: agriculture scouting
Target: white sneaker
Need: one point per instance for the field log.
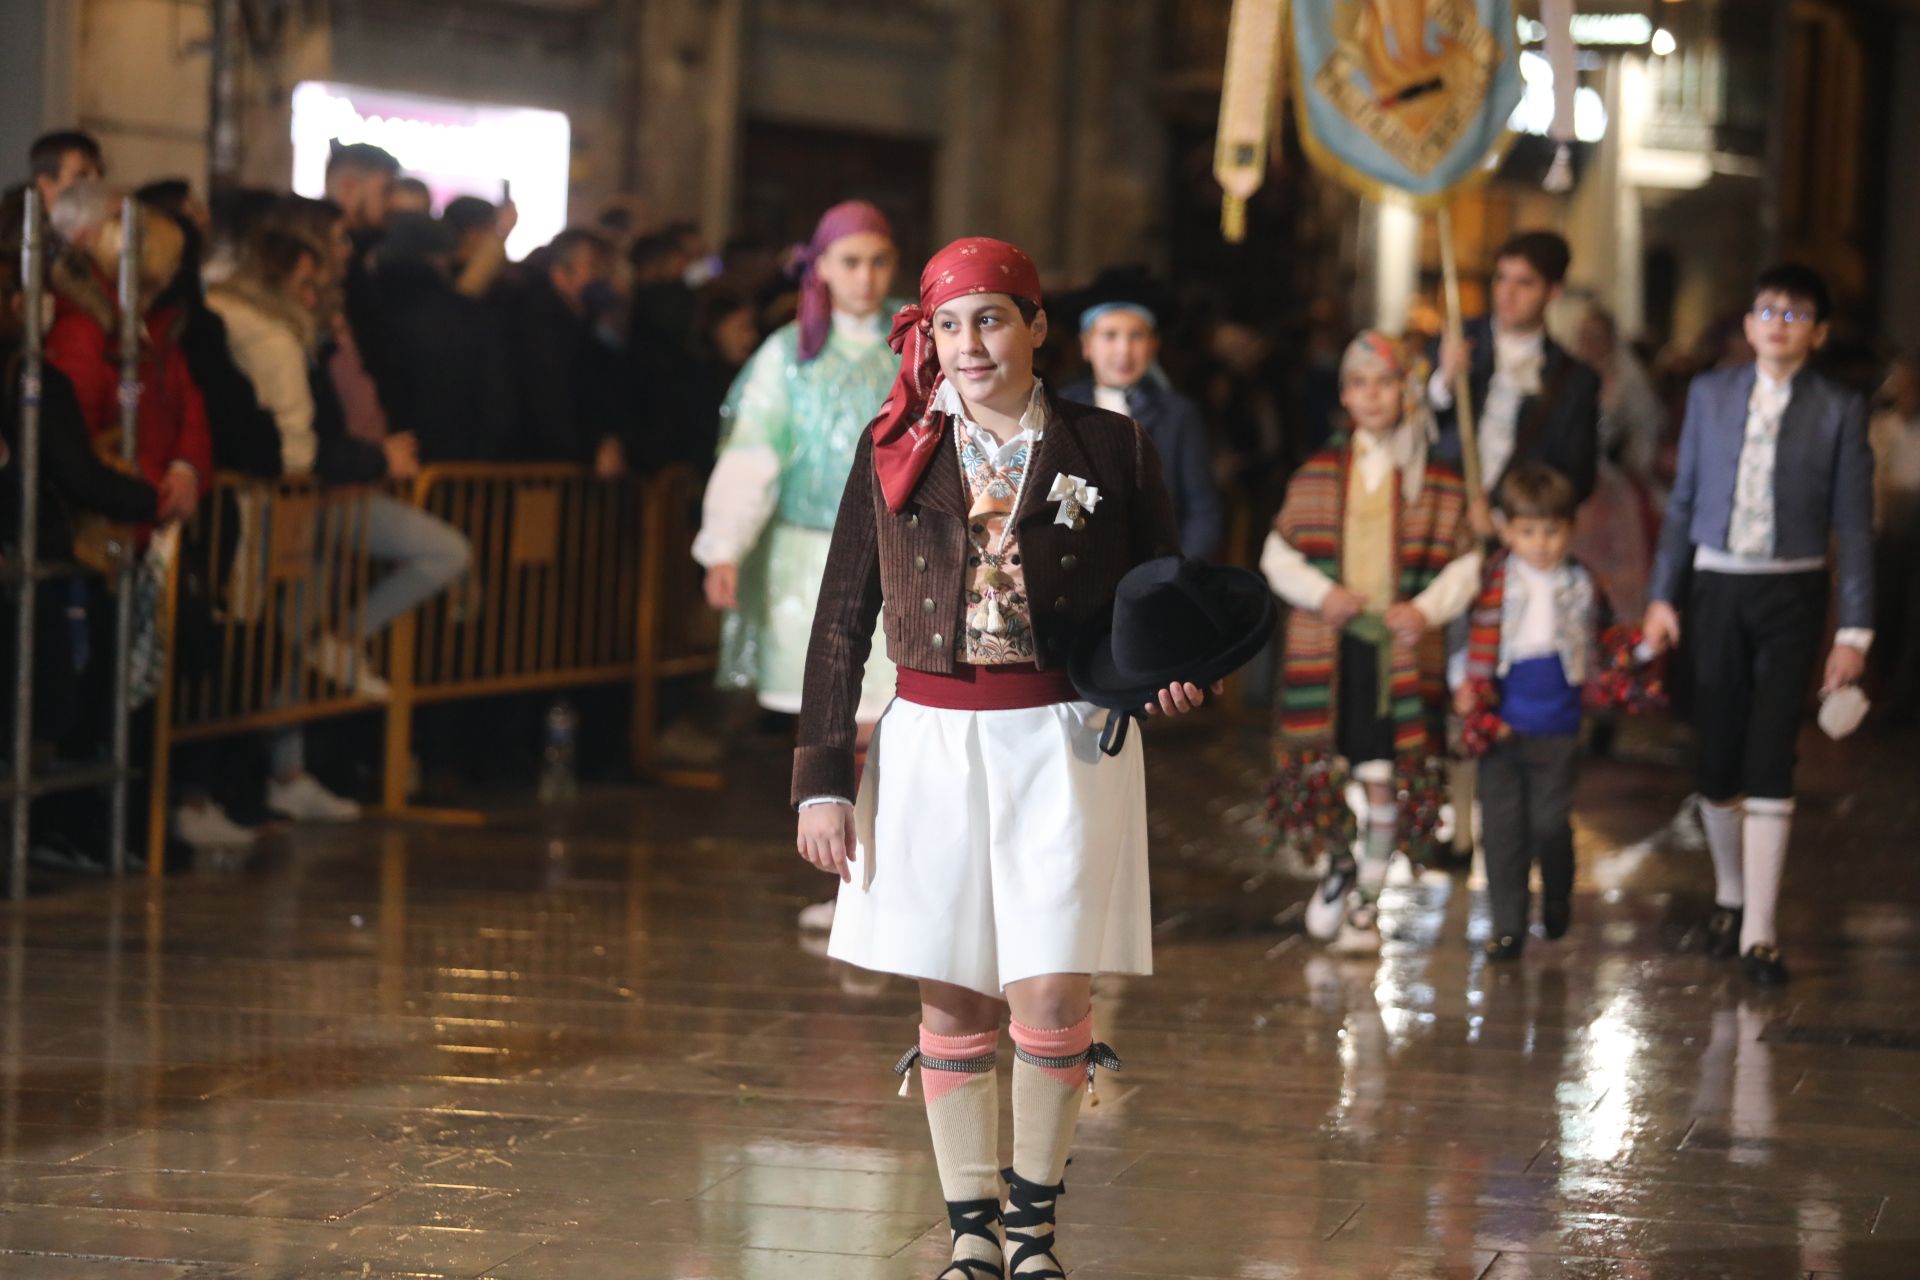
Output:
(1359, 930)
(1327, 908)
(339, 662)
(305, 800)
(207, 826)
(819, 915)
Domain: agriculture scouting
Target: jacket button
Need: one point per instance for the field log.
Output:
(913, 521)
(920, 563)
(926, 606)
(939, 641)
(1068, 562)
(1060, 605)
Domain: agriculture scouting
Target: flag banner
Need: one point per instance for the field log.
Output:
(1246, 107)
(1407, 96)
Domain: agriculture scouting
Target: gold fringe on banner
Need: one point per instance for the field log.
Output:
(1248, 93)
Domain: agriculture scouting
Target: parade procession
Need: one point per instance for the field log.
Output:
(960, 639)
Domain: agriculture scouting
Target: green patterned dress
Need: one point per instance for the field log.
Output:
(788, 436)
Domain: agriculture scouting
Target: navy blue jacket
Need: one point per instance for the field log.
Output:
(1822, 483)
(1560, 426)
(1179, 435)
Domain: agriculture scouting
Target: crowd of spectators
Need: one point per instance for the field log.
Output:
(359, 337)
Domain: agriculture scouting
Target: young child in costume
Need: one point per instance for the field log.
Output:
(1774, 465)
(789, 429)
(993, 852)
(1373, 550)
(1530, 652)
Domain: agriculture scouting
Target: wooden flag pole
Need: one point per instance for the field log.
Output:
(1462, 384)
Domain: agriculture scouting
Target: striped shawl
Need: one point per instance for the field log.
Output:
(1429, 533)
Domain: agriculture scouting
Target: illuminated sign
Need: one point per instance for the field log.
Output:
(1617, 29)
(456, 148)
(1535, 112)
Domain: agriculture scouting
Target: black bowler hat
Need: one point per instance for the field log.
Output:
(1174, 620)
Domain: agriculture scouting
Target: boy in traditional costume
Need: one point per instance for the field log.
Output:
(1373, 550)
(993, 852)
(1532, 648)
(1774, 470)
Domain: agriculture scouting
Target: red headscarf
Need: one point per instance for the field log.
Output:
(849, 218)
(907, 431)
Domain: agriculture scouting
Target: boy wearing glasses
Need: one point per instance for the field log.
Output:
(1774, 466)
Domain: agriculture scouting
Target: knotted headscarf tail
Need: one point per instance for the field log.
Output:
(848, 218)
(906, 432)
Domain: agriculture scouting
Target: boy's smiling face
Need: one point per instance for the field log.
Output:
(986, 350)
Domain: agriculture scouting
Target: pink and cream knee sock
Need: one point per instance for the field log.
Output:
(1050, 1078)
(959, 1079)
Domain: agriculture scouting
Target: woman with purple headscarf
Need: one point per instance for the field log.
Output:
(788, 432)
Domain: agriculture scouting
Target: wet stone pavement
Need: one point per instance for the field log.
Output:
(591, 1044)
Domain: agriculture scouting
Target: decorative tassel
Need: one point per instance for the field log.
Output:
(1099, 1055)
(904, 1068)
(996, 624)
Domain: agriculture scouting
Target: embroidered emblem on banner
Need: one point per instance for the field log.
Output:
(1411, 74)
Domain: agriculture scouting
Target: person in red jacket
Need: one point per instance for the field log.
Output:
(175, 447)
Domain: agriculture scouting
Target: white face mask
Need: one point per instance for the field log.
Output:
(702, 270)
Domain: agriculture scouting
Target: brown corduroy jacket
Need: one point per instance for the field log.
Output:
(910, 566)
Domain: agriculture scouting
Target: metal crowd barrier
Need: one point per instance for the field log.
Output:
(551, 601)
(574, 581)
(27, 570)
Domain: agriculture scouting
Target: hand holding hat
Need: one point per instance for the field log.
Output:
(1175, 623)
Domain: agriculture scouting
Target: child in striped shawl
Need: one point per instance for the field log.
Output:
(1373, 551)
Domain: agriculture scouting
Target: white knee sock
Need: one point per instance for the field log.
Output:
(1723, 823)
(1383, 822)
(1769, 823)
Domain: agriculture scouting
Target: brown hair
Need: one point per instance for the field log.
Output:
(1545, 251)
(272, 255)
(1535, 491)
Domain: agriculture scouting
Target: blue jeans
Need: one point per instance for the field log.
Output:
(426, 555)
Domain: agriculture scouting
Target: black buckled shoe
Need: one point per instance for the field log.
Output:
(1506, 947)
(1556, 915)
(1764, 966)
(1723, 932)
(977, 1218)
(1030, 1210)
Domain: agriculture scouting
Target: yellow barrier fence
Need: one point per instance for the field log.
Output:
(574, 581)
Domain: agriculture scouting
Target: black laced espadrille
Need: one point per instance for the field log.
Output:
(974, 1218)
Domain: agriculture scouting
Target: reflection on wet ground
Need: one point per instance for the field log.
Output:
(591, 1045)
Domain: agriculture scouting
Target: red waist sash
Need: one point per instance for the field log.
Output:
(999, 688)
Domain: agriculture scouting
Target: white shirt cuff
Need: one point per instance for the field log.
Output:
(812, 801)
(740, 499)
(1291, 577)
(1860, 638)
(1451, 592)
(1439, 391)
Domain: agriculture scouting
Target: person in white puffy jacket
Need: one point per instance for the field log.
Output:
(272, 306)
